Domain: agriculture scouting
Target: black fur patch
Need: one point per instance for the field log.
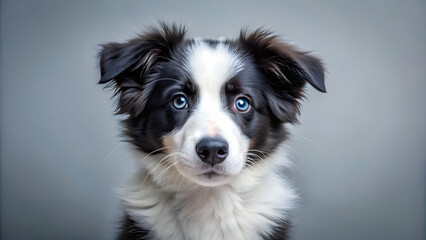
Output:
(280, 232)
(145, 77)
(131, 231)
(286, 70)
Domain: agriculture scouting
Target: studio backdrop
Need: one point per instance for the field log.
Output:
(359, 152)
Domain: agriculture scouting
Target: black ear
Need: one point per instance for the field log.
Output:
(287, 70)
(129, 64)
(143, 51)
(116, 58)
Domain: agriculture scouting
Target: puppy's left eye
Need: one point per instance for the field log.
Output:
(242, 104)
(180, 102)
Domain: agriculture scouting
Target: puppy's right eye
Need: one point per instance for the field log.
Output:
(180, 102)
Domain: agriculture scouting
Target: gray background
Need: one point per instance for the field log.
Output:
(359, 152)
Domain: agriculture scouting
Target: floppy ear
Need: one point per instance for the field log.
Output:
(286, 69)
(127, 65)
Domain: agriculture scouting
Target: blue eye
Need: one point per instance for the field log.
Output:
(242, 104)
(180, 102)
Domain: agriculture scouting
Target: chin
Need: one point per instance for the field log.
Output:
(207, 119)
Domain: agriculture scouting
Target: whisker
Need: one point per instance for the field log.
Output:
(165, 170)
(257, 156)
(110, 152)
(294, 151)
(156, 166)
(244, 171)
(307, 139)
(156, 150)
(262, 152)
(180, 182)
(253, 165)
(171, 177)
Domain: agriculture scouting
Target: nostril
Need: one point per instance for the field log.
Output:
(204, 153)
(221, 153)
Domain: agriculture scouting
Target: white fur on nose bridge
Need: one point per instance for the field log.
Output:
(211, 67)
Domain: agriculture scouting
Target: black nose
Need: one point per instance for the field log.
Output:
(212, 150)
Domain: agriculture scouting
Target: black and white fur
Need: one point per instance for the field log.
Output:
(176, 195)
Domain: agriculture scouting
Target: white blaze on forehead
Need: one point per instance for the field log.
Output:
(212, 66)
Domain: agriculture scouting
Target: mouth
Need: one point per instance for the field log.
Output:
(204, 174)
(211, 174)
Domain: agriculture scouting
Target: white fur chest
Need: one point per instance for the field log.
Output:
(247, 208)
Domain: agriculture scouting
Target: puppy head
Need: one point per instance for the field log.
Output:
(211, 105)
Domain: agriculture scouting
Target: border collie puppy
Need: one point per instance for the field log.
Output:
(207, 118)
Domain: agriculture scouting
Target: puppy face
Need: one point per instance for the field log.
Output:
(215, 106)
